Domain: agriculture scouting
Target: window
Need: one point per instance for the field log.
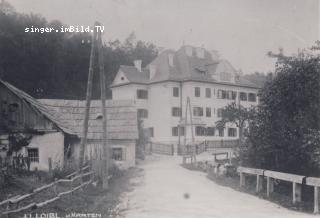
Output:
(210, 131)
(234, 95)
(232, 132)
(222, 94)
(231, 95)
(33, 154)
(142, 113)
(175, 130)
(200, 131)
(175, 92)
(243, 96)
(220, 111)
(208, 92)
(118, 154)
(221, 132)
(208, 112)
(197, 91)
(151, 131)
(198, 111)
(252, 97)
(176, 111)
(142, 94)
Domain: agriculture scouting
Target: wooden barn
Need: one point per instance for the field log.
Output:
(28, 129)
(122, 129)
(50, 130)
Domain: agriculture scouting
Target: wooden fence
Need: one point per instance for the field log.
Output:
(221, 144)
(161, 148)
(271, 176)
(11, 205)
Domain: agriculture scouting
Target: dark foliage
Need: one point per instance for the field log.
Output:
(55, 65)
(285, 132)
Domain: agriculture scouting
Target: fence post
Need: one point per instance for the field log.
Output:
(242, 179)
(259, 183)
(50, 166)
(270, 186)
(296, 192)
(316, 199)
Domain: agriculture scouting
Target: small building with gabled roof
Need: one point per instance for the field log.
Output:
(52, 129)
(122, 130)
(28, 128)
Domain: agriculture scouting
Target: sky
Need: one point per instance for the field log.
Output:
(242, 31)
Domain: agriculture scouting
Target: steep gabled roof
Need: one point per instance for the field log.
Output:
(121, 117)
(184, 68)
(39, 108)
(133, 75)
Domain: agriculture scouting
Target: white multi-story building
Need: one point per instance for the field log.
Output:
(161, 90)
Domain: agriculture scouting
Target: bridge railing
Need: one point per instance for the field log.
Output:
(271, 176)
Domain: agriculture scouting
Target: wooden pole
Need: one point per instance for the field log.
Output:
(88, 102)
(105, 157)
(316, 199)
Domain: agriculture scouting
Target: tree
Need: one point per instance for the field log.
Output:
(55, 65)
(237, 115)
(284, 134)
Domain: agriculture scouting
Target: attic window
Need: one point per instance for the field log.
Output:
(122, 78)
(99, 117)
(201, 70)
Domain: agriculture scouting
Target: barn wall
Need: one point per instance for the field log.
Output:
(18, 114)
(94, 150)
(49, 145)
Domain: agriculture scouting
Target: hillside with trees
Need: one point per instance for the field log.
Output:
(55, 65)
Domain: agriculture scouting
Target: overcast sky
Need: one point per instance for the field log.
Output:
(243, 31)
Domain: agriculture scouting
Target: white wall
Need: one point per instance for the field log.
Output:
(160, 101)
(49, 145)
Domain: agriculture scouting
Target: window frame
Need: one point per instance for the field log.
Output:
(122, 155)
(208, 112)
(142, 94)
(232, 132)
(142, 113)
(33, 155)
(176, 112)
(210, 130)
(208, 93)
(250, 95)
(200, 131)
(175, 92)
(243, 96)
(221, 132)
(197, 92)
(197, 111)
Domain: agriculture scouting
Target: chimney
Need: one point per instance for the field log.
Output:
(200, 52)
(152, 70)
(170, 59)
(137, 64)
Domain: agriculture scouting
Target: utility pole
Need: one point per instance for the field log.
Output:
(96, 44)
(88, 102)
(105, 160)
